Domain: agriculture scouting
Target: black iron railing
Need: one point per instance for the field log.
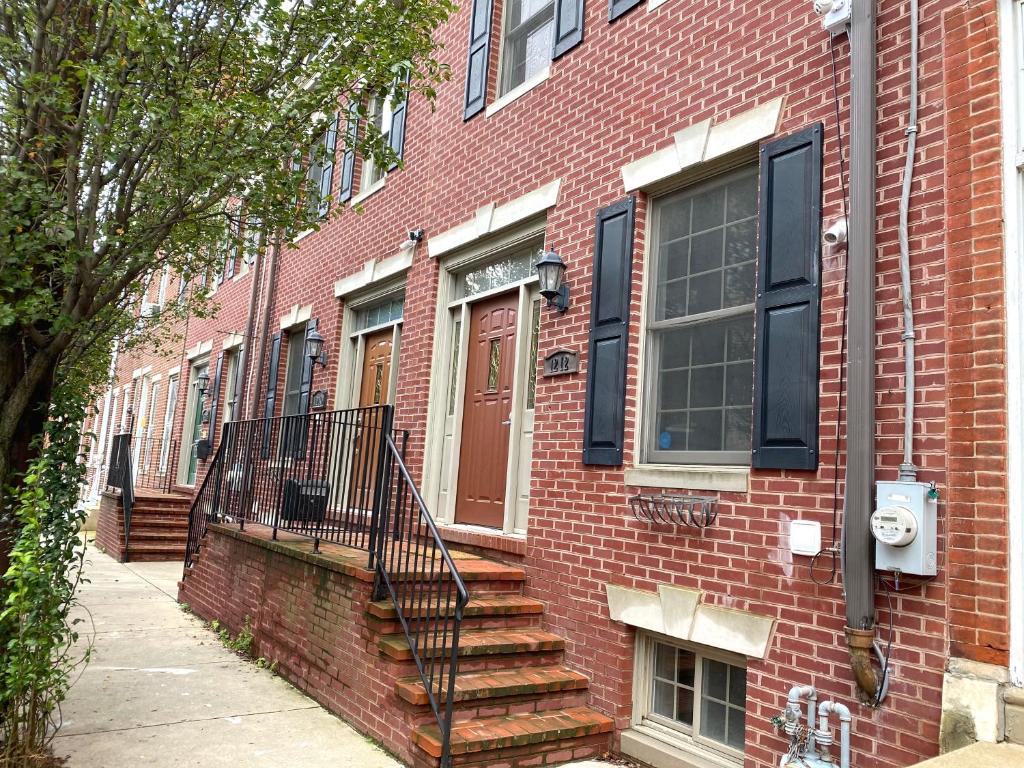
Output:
(119, 475)
(415, 569)
(340, 477)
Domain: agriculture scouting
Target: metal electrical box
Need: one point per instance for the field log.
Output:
(904, 528)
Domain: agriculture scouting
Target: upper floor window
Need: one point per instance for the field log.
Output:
(320, 171)
(700, 323)
(527, 41)
(381, 117)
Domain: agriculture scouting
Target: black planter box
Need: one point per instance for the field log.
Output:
(305, 501)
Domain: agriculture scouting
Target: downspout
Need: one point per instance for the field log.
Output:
(265, 324)
(907, 469)
(858, 570)
(241, 372)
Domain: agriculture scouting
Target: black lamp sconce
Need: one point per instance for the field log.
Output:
(315, 347)
(551, 272)
(203, 383)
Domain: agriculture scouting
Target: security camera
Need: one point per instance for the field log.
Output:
(836, 234)
(821, 7)
(416, 235)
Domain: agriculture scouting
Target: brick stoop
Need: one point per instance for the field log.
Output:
(515, 704)
(557, 736)
(159, 526)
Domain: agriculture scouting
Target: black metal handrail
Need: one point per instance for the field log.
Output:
(340, 477)
(119, 475)
(204, 506)
(414, 568)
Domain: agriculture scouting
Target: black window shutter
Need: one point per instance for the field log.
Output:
(215, 400)
(307, 372)
(617, 8)
(396, 137)
(479, 53)
(348, 161)
(604, 421)
(327, 169)
(568, 26)
(788, 303)
(300, 425)
(268, 406)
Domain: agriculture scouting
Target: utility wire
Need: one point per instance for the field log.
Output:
(832, 550)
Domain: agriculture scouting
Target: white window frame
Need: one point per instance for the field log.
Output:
(192, 402)
(441, 467)
(369, 180)
(676, 734)
(525, 28)
(169, 411)
(165, 278)
(709, 470)
(1011, 23)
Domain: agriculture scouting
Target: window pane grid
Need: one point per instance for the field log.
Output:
(702, 324)
(680, 677)
(527, 43)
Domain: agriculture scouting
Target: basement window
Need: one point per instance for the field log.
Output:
(690, 697)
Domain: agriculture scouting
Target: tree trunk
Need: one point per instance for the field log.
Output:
(24, 407)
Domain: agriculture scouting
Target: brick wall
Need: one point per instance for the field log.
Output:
(310, 622)
(975, 353)
(618, 96)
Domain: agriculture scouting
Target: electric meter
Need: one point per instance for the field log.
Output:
(904, 527)
(895, 526)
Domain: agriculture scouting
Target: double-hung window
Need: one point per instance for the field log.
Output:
(380, 116)
(320, 171)
(526, 47)
(700, 323)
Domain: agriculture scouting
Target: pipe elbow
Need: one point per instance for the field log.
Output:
(798, 692)
(860, 643)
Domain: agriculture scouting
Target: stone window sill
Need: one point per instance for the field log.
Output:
(369, 191)
(520, 90)
(690, 477)
(660, 750)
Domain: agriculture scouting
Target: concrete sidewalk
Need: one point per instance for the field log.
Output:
(161, 691)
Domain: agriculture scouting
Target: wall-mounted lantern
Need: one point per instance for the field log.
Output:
(315, 347)
(203, 383)
(551, 272)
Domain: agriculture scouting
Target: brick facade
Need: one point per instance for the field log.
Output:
(620, 96)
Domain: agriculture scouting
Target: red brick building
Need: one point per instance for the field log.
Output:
(682, 158)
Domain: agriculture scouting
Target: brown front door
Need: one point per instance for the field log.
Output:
(483, 463)
(376, 378)
(374, 385)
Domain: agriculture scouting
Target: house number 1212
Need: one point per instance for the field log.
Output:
(561, 362)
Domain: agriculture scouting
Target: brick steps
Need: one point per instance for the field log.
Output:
(514, 704)
(478, 605)
(482, 642)
(489, 738)
(159, 528)
(496, 611)
(494, 684)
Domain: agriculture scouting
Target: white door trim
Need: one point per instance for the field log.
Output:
(449, 310)
(1011, 20)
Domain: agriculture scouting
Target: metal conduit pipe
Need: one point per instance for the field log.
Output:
(858, 573)
(907, 469)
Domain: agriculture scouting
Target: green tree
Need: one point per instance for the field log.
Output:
(135, 135)
(129, 129)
